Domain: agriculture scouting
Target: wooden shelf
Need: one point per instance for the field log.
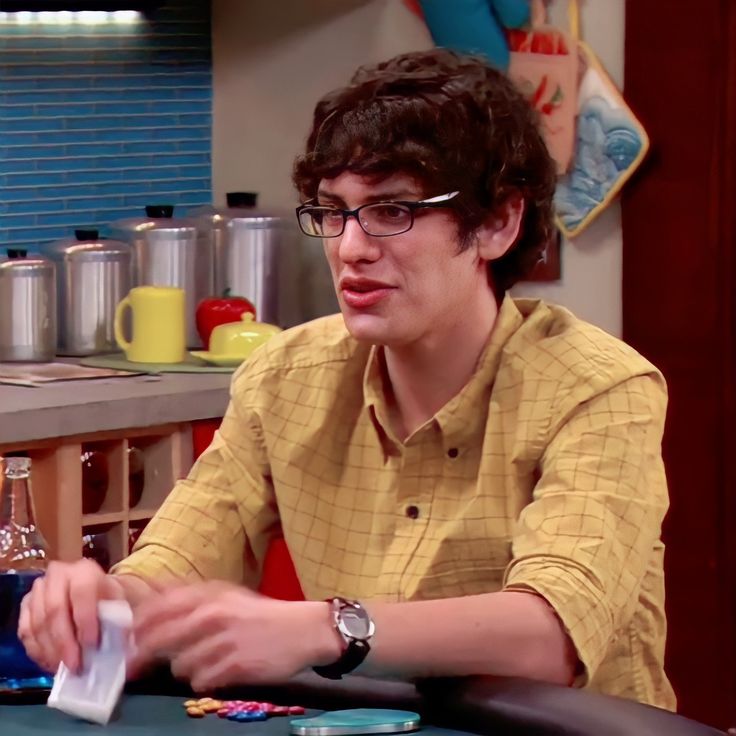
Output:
(164, 454)
(137, 514)
(110, 517)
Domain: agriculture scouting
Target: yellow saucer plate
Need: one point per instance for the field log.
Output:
(214, 359)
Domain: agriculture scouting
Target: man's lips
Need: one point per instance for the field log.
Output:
(361, 284)
(363, 293)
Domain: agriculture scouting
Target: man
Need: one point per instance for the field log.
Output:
(477, 479)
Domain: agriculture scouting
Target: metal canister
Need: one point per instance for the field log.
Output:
(170, 251)
(27, 308)
(247, 249)
(92, 276)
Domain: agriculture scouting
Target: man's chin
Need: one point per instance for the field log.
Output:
(367, 328)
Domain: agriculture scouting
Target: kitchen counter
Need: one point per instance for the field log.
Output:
(70, 408)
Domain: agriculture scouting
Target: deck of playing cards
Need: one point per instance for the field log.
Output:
(94, 693)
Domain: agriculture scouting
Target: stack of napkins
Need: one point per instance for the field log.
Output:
(94, 693)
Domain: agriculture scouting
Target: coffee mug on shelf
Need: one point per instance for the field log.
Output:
(158, 325)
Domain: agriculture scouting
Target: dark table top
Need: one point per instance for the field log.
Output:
(145, 715)
(483, 706)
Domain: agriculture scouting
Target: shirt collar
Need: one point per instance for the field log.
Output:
(460, 418)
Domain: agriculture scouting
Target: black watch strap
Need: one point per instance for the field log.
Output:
(356, 645)
(351, 658)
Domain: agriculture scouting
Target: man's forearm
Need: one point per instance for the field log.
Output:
(504, 633)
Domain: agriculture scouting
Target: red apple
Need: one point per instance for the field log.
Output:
(215, 311)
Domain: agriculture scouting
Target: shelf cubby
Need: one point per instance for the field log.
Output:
(153, 456)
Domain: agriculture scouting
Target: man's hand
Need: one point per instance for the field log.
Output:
(217, 634)
(59, 614)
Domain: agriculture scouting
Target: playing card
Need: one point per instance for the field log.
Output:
(94, 693)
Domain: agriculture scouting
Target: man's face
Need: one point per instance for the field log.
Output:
(404, 288)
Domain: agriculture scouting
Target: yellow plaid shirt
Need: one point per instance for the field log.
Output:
(543, 473)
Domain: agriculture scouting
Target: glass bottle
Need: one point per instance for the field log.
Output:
(22, 547)
(23, 558)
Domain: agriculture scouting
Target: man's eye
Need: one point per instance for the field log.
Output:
(389, 212)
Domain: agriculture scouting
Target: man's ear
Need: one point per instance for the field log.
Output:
(501, 228)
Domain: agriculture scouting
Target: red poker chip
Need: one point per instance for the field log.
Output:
(296, 710)
(279, 710)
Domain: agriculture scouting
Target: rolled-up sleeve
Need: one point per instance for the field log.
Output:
(585, 540)
(217, 522)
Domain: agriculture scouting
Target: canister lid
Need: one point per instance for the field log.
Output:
(25, 266)
(86, 245)
(237, 204)
(158, 217)
(112, 250)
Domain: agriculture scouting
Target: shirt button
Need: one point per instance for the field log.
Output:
(412, 512)
(453, 452)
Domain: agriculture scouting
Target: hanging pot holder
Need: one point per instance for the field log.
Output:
(610, 143)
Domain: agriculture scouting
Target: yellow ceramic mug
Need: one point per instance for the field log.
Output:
(159, 325)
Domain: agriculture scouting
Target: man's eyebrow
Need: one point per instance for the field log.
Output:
(399, 195)
(323, 194)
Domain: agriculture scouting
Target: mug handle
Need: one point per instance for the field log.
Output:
(118, 325)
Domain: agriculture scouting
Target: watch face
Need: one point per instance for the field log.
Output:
(356, 621)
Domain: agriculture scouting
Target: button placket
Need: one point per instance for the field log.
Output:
(413, 495)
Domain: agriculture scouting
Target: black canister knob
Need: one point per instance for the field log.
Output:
(160, 210)
(90, 234)
(241, 199)
(17, 252)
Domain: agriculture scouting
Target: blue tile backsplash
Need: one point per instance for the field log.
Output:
(97, 121)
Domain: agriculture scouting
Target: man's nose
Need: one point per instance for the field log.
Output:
(355, 244)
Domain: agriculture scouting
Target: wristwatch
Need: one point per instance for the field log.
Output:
(356, 628)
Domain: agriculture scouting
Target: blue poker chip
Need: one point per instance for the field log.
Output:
(245, 716)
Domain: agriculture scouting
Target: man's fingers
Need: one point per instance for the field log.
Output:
(200, 655)
(167, 637)
(85, 591)
(40, 639)
(25, 634)
(61, 625)
(24, 619)
(169, 623)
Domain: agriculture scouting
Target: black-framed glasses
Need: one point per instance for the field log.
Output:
(379, 219)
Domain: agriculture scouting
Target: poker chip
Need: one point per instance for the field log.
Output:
(211, 707)
(239, 711)
(245, 716)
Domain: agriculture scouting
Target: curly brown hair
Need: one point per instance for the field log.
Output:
(452, 122)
